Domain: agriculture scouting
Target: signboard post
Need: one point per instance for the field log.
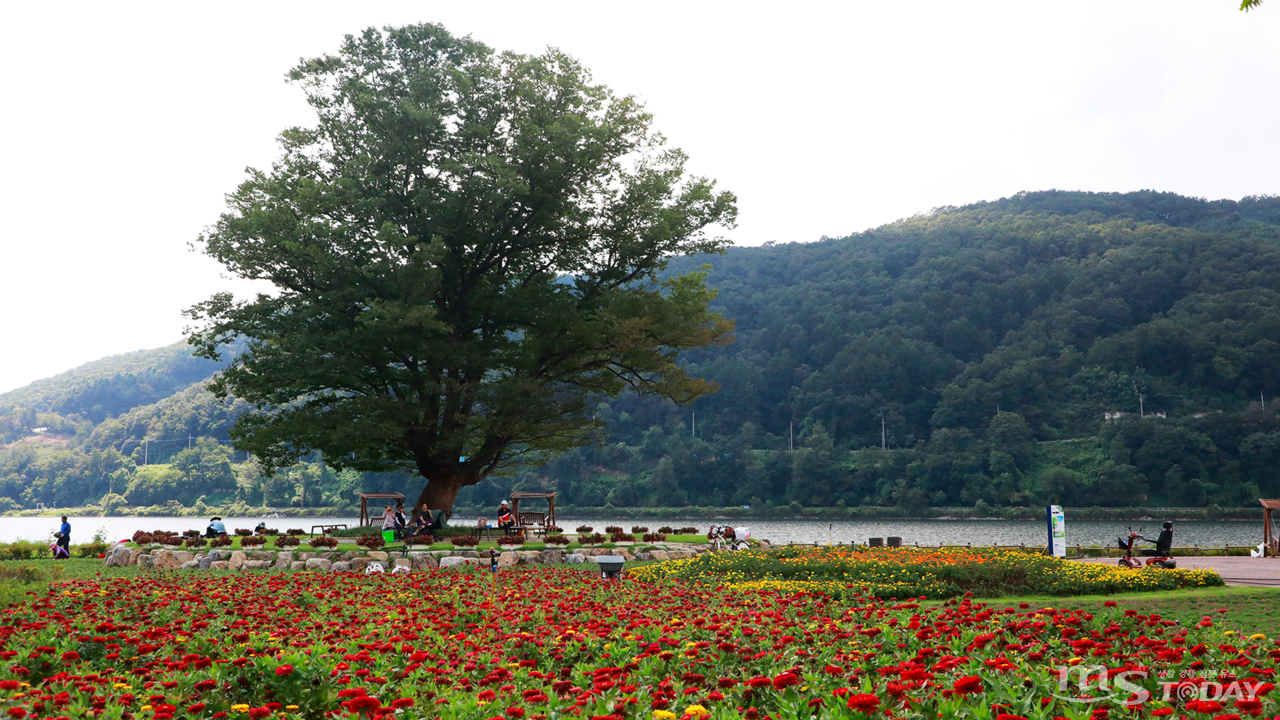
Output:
(1057, 531)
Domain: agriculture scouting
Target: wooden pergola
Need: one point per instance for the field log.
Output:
(550, 497)
(364, 503)
(1271, 543)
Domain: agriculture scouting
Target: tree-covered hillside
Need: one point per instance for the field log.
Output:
(1052, 308)
(990, 340)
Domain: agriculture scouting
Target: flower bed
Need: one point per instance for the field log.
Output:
(913, 572)
(316, 645)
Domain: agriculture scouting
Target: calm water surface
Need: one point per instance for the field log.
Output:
(923, 532)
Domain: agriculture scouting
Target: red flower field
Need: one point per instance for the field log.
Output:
(550, 643)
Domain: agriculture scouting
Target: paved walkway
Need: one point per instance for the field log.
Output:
(1258, 572)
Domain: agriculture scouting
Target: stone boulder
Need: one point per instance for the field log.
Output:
(403, 562)
(164, 560)
(319, 564)
(379, 556)
(457, 561)
(340, 566)
(423, 561)
(220, 565)
(551, 557)
(506, 559)
(658, 555)
(359, 563)
(205, 563)
(118, 556)
(183, 556)
(255, 565)
(238, 559)
(146, 561)
(260, 554)
(284, 560)
(191, 565)
(574, 559)
(298, 565)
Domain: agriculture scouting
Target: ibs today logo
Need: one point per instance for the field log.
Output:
(1096, 683)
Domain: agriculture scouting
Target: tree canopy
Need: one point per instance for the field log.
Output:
(466, 251)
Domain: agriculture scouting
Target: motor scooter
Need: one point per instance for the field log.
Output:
(1159, 557)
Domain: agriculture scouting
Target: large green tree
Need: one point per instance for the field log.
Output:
(466, 251)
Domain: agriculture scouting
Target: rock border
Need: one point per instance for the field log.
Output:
(161, 558)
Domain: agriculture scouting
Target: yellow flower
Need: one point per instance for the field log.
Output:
(1257, 636)
(290, 708)
(240, 708)
(696, 711)
(663, 715)
(146, 708)
(1229, 632)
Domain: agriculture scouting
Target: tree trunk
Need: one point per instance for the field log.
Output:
(440, 492)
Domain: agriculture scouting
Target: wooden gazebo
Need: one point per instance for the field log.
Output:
(1270, 542)
(550, 497)
(364, 503)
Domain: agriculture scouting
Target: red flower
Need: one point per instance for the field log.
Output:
(17, 712)
(1252, 707)
(515, 712)
(785, 679)
(284, 670)
(70, 656)
(863, 703)
(1162, 712)
(258, 713)
(196, 709)
(402, 703)
(967, 685)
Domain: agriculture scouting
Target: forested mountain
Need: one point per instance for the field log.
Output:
(989, 340)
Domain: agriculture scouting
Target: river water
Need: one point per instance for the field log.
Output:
(922, 532)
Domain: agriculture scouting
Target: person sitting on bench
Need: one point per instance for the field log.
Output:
(506, 520)
(216, 528)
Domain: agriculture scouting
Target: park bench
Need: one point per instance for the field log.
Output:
(532, 523)
(325, 529)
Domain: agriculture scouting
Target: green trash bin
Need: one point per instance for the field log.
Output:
(389, 535)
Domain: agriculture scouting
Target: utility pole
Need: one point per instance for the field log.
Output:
(693, 424)
(188, 441)
(791, 436)
(146, 451)
(1141, 412)
(882, 435)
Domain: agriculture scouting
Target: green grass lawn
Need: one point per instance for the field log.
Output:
(1249, 610)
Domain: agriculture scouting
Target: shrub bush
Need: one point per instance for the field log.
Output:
(252, 541)
(420, 540)
(621, 537)
(613, 529)
(22, 550)
(465, 541)
(270, 531)
(373, 542)
(296, 531)
(242, 532)
(595, 539)
(285, 541)
(585, 528)
(655, 537)
(666, 529)
(554, 529)
(510, 539)
(639, 529)
(323, 542)
(142, 537)
(557, 540)
(220, 541)
(687, 531)
(196, 542)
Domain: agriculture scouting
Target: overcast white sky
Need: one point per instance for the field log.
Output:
(124, 124)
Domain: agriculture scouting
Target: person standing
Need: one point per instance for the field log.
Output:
(64, 537)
